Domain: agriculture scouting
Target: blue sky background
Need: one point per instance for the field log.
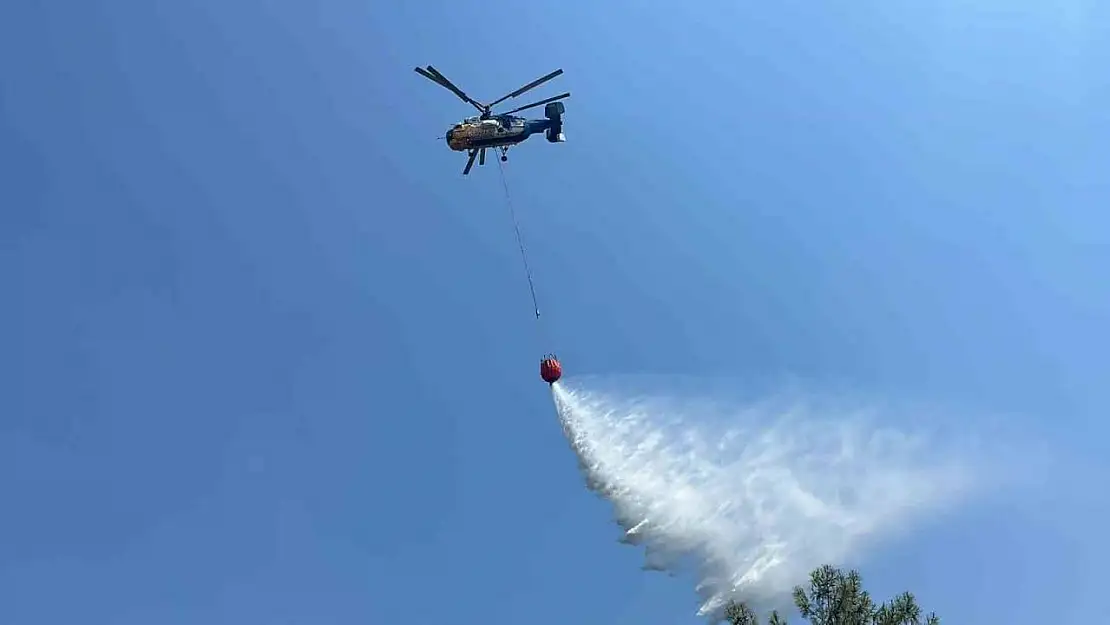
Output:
(267, 358)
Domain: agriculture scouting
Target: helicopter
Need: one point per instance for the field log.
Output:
(475, 135)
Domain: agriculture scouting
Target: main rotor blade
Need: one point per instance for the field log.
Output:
(470, 162)
(529, 86)
(544, 101)
(482, 157)
(433, 75)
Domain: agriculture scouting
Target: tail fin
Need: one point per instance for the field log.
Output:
(554, 112)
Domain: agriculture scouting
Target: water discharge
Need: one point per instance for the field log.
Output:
(752, 496)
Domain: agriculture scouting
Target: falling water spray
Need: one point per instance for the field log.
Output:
(750, 497)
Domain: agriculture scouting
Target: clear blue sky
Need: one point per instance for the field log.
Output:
(267, 358)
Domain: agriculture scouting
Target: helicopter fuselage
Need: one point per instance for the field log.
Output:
(497, 131)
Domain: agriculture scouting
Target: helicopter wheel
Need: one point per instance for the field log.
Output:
(504, 158)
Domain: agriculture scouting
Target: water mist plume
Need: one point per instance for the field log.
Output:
(752, 497)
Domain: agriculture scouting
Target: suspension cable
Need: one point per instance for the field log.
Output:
(519, 239)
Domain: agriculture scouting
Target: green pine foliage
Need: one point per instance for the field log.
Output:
(836, 597)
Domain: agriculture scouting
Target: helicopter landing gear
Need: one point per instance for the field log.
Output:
(504, 153)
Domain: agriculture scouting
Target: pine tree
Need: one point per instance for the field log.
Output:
(836, 597)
